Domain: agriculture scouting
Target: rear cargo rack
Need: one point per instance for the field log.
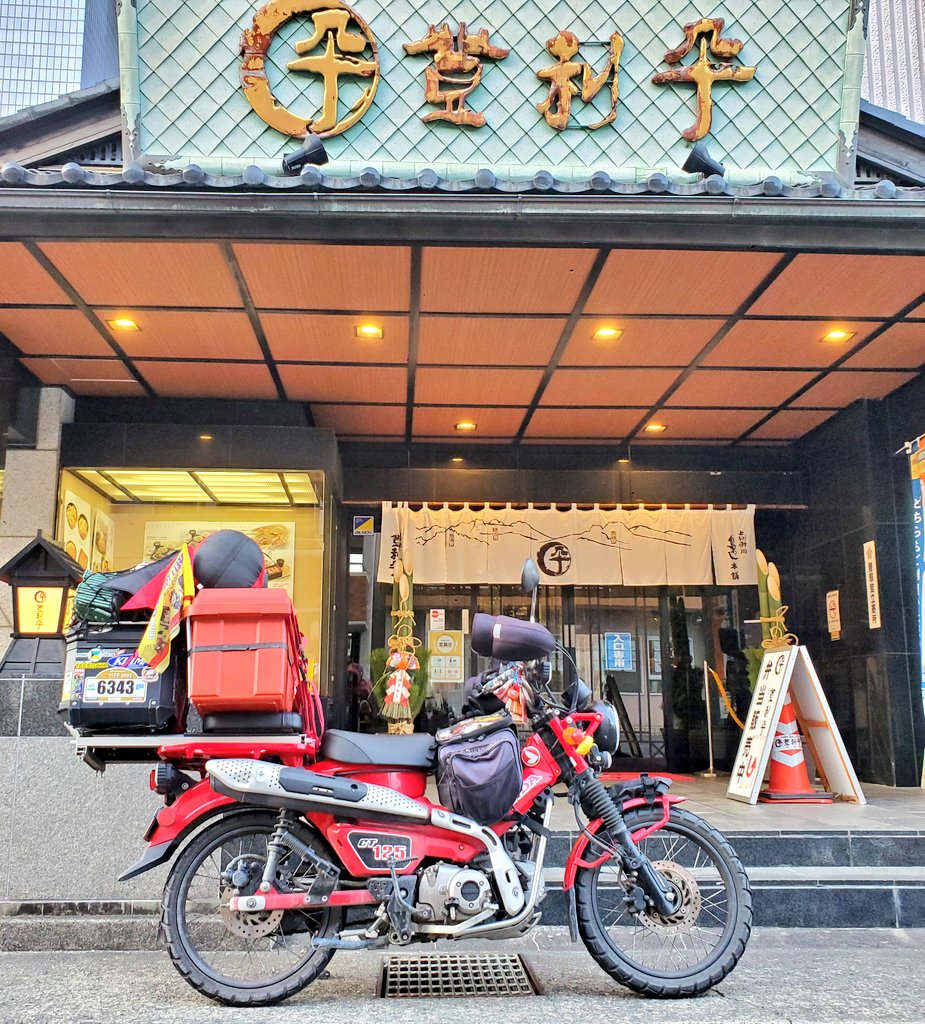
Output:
(100, 750)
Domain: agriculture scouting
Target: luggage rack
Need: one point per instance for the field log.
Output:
(100, 750)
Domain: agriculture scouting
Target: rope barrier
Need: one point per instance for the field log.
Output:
(726, 701)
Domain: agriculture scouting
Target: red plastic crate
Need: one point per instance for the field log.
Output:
(243, 648)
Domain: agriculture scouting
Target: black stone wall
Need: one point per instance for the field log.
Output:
(858, 490)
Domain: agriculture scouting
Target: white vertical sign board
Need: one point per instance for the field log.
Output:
(872, 584)
(755, 746)
(782, 672)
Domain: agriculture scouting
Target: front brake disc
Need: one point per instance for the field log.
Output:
(685, 917)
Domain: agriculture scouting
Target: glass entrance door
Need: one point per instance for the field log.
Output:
(620, 644)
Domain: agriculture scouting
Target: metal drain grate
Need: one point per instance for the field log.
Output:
(456, 974)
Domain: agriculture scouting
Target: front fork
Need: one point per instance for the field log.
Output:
(596, 803)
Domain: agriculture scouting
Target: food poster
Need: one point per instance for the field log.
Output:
(104, 542)
(275, 540)
(75, 529)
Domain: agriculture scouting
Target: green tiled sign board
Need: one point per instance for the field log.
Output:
(183, 102)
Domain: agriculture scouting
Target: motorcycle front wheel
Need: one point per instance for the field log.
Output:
(242, 959)
(696, 947)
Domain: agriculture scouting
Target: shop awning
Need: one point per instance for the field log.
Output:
(533, 343)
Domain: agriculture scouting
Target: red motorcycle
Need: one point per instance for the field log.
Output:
(256, 903)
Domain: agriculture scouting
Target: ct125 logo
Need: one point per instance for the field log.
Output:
(380, 849)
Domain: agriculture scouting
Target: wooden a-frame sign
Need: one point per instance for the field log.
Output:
(790, 670)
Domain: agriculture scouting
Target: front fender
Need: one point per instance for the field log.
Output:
(575, 858)
(172, 824)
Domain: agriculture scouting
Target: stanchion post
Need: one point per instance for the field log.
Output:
(710, 773)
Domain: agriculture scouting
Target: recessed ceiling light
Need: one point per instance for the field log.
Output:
(456, 458)
(839, 335)
(607, 334)
(370, 331)
(466, 425)
(123, 323)
(656, 428)
(205, 437)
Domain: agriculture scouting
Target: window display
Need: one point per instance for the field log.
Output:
(113, 518)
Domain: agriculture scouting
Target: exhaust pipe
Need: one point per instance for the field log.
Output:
(299, 789)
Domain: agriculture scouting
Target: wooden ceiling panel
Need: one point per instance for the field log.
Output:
(844, 285)
(677, 281)
(440, 422)
(607, 387)
(642, 342)
(86, 376)
(344, 384)
(781, 343)
(902, 345)
(145, 273)
(374, 278)
(703, 423)
(739, 388)
(307, 337)
(209, 380)
(842, 387)
(24, 280)
(503, 280)
(185, 334)
(604, 424)
(499, 387)
(488, 341)
(361, 420)
(789, 424)
(52, 331)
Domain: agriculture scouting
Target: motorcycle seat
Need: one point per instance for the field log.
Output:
(419, 750)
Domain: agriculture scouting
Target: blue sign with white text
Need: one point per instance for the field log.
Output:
(619, 652)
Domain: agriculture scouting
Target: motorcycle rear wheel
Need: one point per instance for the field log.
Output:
(240, 959)
(689, 953)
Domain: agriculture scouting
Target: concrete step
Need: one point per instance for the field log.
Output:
(824, 848)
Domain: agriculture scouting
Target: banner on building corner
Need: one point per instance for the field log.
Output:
(631, 546)
(917, 469)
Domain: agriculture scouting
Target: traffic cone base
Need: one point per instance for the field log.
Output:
(789, 782)
(813, 797)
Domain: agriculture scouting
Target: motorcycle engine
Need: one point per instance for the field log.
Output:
(447, 891)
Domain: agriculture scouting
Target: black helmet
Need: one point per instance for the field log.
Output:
(607, 734)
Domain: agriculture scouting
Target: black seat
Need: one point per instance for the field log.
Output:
(419, 750)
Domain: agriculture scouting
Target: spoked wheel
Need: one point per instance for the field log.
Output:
(691, 950)
(243, 959)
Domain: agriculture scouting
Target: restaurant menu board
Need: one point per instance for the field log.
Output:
(75, 528)
(276, 541)
(104, 541)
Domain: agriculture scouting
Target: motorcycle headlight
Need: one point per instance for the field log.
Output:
(607, 734)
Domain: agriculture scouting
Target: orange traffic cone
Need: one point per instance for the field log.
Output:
(789, 780)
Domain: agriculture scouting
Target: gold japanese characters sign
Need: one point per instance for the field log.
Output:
(339, 40)
(456, 72)
(703, 73)
(334, 48)
(557, 107)
(621, 88)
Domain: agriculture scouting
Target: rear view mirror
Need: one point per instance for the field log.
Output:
(530, 577)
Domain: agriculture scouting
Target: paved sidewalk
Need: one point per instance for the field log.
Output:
(887, 810)
(796, 976)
